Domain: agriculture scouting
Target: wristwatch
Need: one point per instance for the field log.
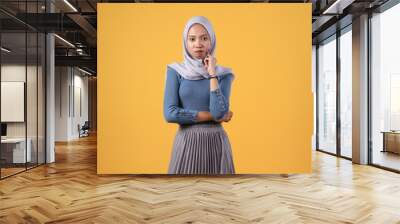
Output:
(213, 76)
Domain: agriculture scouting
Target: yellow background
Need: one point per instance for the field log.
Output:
(268, 46)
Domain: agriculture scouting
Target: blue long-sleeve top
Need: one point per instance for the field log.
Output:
(184, 98)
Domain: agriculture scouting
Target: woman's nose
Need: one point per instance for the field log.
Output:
(198, 43)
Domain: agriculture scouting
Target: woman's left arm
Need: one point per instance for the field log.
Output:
(219, 96)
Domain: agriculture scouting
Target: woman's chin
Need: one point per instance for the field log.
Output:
(199, 57)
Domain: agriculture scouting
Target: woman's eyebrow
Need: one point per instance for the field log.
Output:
(192, 35)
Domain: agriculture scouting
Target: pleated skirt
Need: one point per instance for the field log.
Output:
(201, 149)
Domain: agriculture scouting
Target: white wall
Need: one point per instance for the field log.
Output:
(71, 87)
(34, 125)
(12, 73)
(81, 84)
(9, 73)
(62, 78)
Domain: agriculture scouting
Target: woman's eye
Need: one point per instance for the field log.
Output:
(205, 38)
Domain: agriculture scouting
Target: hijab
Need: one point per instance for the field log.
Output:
(192, 68)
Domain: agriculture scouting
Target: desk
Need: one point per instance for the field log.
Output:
(391, 141)
(13, 150)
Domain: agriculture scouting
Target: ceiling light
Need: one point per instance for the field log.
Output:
(70, 5)
(337, 7)
(84, 71)
(5, 50)
(64, 40)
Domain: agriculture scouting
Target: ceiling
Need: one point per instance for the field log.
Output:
(76, 22)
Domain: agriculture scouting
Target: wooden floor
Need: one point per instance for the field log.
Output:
(69, 191)
(387, 159)
(9, 171)
(5, 172)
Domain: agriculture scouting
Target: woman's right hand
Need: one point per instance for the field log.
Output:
(227, 117)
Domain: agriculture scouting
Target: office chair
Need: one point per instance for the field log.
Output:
(84, 130)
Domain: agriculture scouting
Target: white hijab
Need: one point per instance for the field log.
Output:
(192, 68)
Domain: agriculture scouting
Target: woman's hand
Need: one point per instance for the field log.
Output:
(227, 117)
(204, 116)
(210, 63)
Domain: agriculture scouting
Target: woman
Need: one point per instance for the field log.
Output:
(197, 98)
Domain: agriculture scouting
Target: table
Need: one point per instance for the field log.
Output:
(391, 141)
(13, 150)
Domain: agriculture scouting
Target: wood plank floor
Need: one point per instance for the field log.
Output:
(10, 171)
(69, 191)
(388, 159)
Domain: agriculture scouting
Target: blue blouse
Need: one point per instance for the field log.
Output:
(184, 98)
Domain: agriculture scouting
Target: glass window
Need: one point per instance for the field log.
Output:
(385, 89)
(346, 93)
(14, 150)
(327, 95)
(314, 90)
(22, 91)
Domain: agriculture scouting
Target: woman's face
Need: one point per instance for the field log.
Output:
(198, 41)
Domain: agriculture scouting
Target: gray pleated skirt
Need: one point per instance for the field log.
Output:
(201, 149)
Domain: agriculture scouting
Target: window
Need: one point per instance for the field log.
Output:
(346, 93)
(327, 95)
(385, 88)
